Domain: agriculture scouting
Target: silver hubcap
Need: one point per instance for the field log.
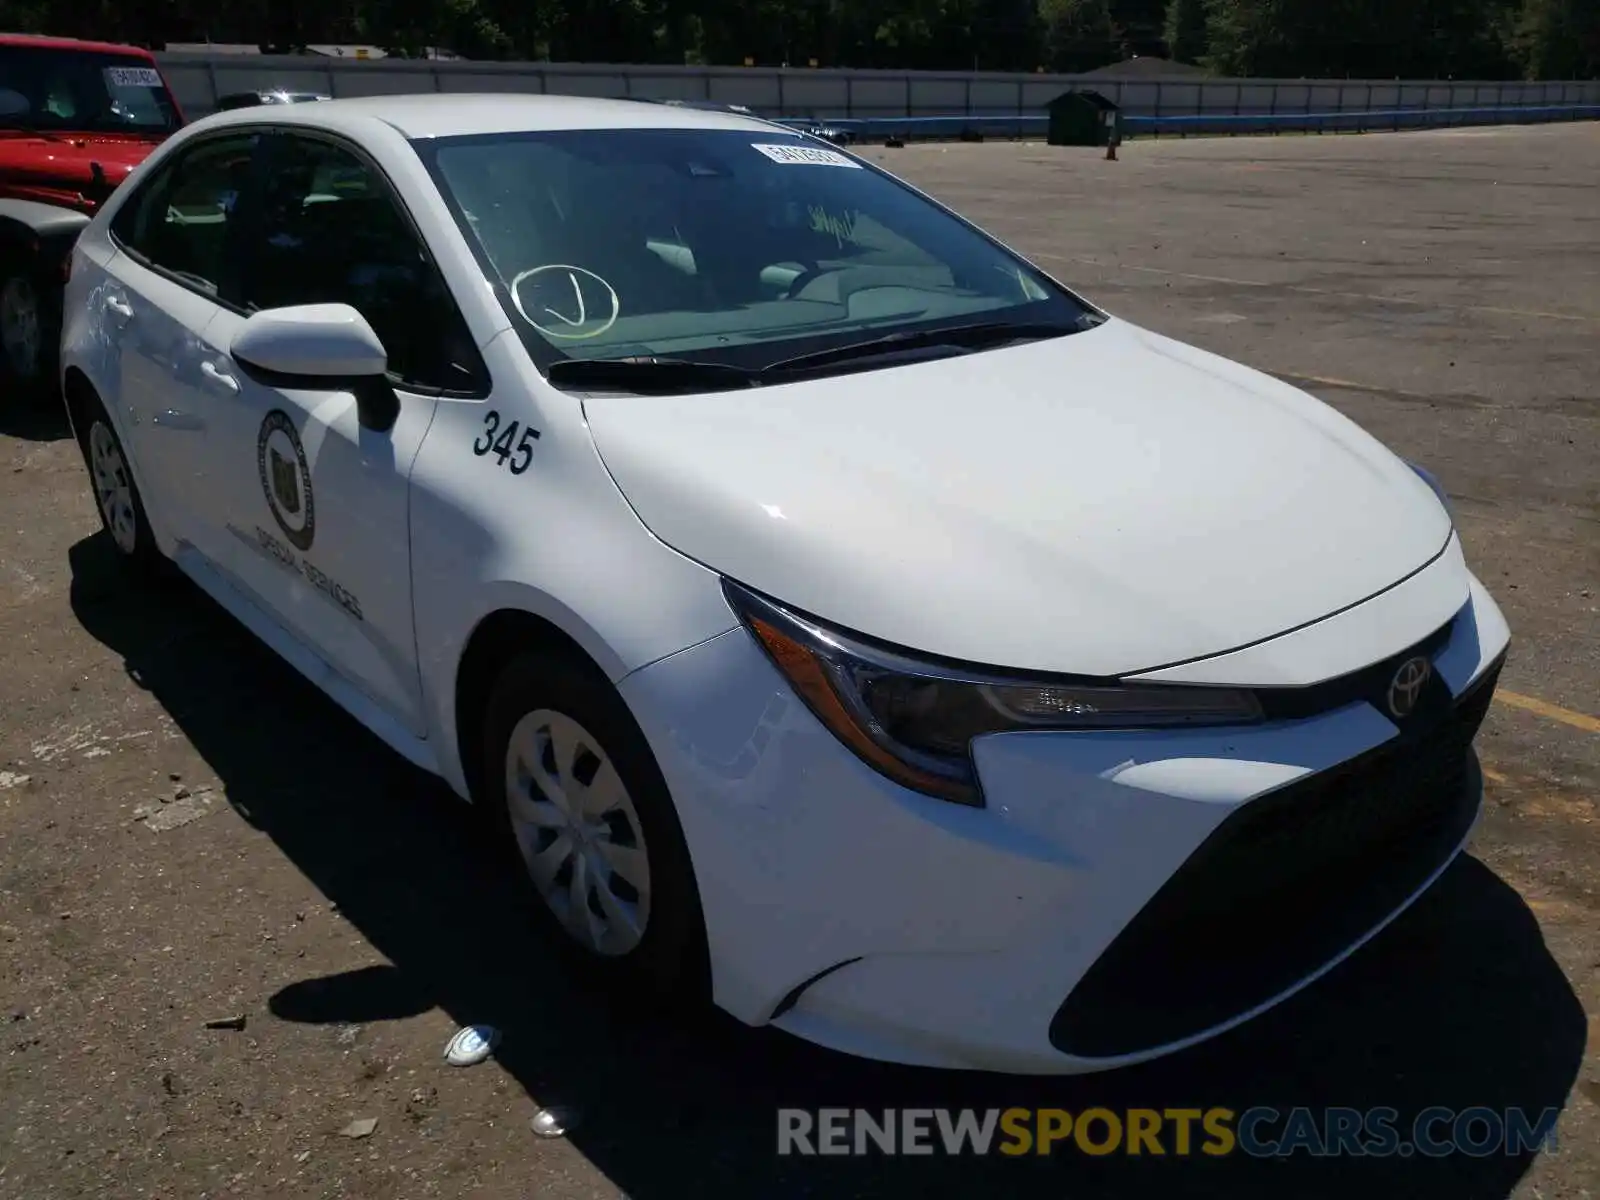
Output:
(112, 488)
(19, 326)
(578, 831)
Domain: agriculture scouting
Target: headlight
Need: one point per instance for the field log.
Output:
(914, 721)
(1428, 478)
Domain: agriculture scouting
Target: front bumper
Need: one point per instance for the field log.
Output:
(1121, 895)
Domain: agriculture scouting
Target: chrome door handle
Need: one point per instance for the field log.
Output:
(218, 376)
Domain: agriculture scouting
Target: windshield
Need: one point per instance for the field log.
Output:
(744, 247)
(80, 91)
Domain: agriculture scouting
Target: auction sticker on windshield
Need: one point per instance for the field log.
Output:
(133, 77)
(805, 155)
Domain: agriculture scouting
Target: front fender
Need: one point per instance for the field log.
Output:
(444, 636)
(41, 236)
(557, 541)
(41, 220)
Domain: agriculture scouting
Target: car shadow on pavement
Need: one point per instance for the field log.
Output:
(1458, 1004)
(31, 416)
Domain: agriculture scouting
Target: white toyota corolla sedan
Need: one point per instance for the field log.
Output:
(840, 617)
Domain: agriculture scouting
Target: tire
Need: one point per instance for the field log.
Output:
(557, 736)
(116, 495)
(27, 352)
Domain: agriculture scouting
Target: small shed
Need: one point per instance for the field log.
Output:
(1082, 117)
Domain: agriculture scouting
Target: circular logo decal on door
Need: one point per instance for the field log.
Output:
(286, 479)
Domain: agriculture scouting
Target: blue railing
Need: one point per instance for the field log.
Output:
(1355, 120)
(1136, 124)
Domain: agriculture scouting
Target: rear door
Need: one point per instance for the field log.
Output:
(177, 242)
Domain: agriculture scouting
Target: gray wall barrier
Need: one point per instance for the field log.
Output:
(872, 97)
(1027, 125)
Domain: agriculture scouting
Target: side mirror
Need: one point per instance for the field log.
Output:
(320, 347)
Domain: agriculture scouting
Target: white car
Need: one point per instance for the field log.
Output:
(844, 619)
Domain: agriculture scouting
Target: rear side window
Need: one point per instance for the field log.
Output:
(331, 232)
(180, 220)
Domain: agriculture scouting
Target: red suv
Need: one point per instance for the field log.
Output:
(75, 119)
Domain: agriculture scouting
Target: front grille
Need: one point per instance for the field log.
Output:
(1369, 683)
(1287, 882)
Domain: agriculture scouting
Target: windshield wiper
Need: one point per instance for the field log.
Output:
(964, 337)
(650, 376)
(199, 281)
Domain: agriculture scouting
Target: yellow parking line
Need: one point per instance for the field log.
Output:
(1554, 712)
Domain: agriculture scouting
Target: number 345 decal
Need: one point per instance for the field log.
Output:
(506, 445)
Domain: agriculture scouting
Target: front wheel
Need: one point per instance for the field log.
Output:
(578, 797)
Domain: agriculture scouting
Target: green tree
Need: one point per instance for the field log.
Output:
(1539, 39)
(1140, 26)
(1186, 31)
(1079, 35)
(1558, 39)
(1422, 39)
(409, 27)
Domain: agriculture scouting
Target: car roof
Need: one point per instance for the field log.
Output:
(451, 114)
(60, 43)
(707, 105)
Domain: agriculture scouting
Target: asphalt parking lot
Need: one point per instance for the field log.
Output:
(1442, 289)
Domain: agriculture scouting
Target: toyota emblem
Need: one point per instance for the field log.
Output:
(1406, 687)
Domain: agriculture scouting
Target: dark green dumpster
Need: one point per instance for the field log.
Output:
(1082, 118)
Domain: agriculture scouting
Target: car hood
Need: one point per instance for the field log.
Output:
(1102, 504)
(69, 158)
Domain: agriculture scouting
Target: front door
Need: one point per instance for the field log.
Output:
(316, 528)
(316, 512)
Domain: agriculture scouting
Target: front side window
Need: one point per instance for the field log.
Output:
(331, 232)
(181, 218)
(83, 91)
(743, 246)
